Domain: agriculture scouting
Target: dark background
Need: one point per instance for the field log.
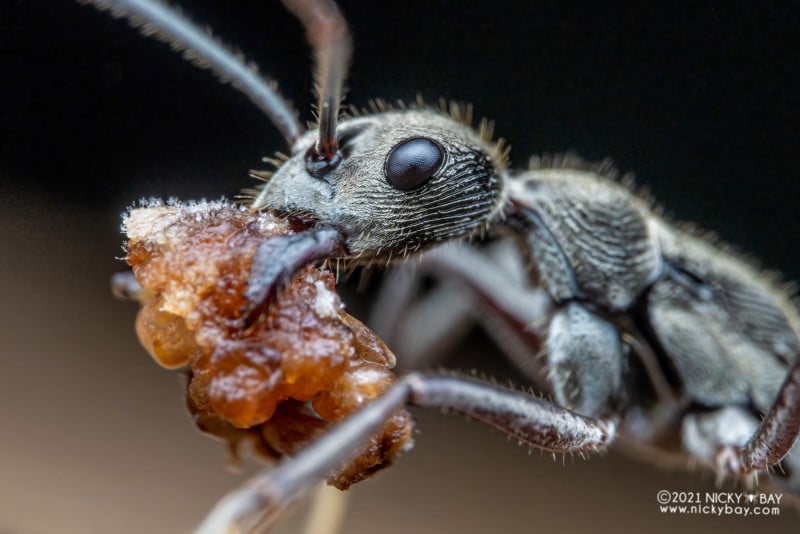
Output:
(702, 103)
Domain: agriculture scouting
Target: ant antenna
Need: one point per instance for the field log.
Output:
(166, 24)
(327, 33)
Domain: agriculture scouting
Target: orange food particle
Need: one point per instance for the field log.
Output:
(164, 335)
(193, 261)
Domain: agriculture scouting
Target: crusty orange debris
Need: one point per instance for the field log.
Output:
(280, 383)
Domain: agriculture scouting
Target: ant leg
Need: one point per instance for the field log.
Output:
(733, 442)
(778, 431)
(711, 436)
(420, 329)
(489, 287)
(529, 419)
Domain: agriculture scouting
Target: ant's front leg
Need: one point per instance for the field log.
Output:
(536, 422)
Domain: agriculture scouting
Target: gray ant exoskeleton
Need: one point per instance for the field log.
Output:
(652, 334)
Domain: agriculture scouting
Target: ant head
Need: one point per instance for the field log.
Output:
(398, 182)
(390, 183)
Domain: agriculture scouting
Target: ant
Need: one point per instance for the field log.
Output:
(652, 333)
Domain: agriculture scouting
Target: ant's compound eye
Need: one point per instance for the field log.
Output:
(413, 162)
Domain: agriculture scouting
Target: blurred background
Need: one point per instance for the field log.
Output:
(702, 103)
